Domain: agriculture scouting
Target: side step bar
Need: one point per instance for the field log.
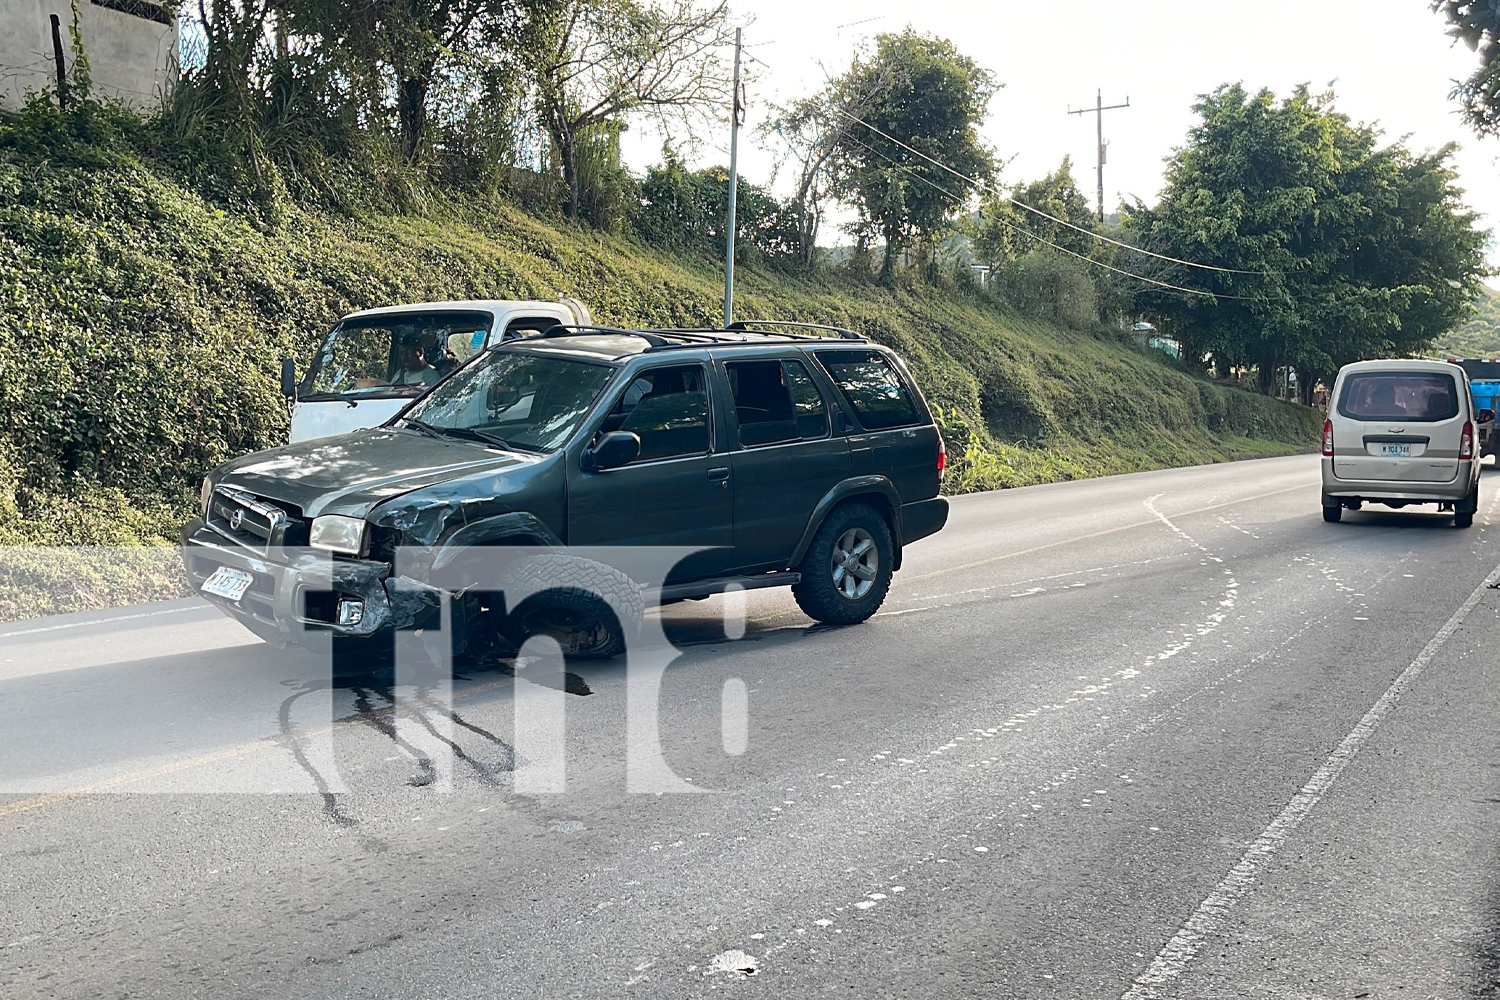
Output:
(707, 588)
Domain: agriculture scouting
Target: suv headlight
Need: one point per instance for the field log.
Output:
(205, 496)
(338, 533)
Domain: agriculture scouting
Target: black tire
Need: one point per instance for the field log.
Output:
(592, 610)
(1333, 513)
(1463, 511)
(822, 597)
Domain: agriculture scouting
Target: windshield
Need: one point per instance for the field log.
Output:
(395, 353)
(523, 400)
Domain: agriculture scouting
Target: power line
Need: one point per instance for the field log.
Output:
(1063, 249)
(1062, 222)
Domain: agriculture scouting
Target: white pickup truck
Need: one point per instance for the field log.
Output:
(373, 363)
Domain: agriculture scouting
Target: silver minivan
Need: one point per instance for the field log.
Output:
(1399, 433)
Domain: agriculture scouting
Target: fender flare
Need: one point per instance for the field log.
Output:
(877, 487)
(516, 528)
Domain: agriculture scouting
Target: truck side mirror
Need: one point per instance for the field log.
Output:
(1485, 416)
(614, 449)
(288, 378)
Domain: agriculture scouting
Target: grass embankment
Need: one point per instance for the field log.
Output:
(141, 326)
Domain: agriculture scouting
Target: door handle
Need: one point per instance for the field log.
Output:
(719, 474)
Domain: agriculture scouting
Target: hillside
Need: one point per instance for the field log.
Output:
(142, 327)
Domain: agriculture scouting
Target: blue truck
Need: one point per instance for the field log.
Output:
(1484, 383)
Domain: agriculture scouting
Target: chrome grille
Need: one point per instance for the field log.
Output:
(248, 519)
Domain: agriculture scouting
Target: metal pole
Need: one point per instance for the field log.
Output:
(734, 180)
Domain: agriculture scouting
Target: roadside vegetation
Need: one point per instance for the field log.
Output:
(322, 158)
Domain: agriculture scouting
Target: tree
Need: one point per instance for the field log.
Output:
(814, 133)
(922, 92)
(685, 211)
(400, 52)
(1477, 25)
(996, 238)
(1338, 249)
(604, 60)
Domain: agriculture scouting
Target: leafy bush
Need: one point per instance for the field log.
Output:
(1044, 285)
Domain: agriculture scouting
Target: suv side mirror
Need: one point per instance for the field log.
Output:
(289, 378)
(614, 449)
(1485, 416)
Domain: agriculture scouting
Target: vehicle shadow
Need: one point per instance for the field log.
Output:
(1413, 520)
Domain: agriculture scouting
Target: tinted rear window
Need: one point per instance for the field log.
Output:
(1481, 369)
(872, 387)
(1400, 396)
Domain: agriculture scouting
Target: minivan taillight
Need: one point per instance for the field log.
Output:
(1466, 443)
(1328, 436)
(942, 462)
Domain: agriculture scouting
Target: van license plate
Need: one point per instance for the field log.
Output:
(228, 583)
(1396, 450)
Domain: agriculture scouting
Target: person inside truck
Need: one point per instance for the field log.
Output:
(412, 367)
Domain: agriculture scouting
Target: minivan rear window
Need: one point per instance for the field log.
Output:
(1419, 396)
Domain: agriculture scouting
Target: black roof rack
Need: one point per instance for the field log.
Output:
(661, 339)
(571, 330)
(845, 334)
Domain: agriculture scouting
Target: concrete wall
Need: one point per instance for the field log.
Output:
(132, 59)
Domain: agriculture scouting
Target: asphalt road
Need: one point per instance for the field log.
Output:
(1155, 735)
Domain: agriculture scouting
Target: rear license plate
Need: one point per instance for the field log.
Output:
(1396, 450)
(228, 583)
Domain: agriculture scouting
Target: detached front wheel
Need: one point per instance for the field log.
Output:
(846, 572)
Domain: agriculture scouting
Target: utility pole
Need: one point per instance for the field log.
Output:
(1098, 111)
(734, 182)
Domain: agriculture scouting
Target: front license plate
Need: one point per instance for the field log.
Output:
(1396, 450)
(228, 583)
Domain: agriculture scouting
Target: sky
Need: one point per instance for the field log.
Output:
(1389, 61)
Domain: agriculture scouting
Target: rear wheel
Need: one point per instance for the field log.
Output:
(1333, 513)
(846, 572)
(1463, 514)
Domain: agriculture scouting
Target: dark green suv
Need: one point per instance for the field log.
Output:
(783, 455)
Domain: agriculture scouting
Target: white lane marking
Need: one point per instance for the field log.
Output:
(102, 621)
(1098, 534)
(1173, 959)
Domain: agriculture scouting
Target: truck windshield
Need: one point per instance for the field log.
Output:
(394, 354)
(528, 401)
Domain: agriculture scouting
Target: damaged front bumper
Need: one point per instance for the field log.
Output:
(295, 593)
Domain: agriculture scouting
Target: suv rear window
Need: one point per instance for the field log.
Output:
(872, 388)
(1424, 396)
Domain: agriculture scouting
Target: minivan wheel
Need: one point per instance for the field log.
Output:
(846, 572)
(1333, 513)
(1463, 519)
